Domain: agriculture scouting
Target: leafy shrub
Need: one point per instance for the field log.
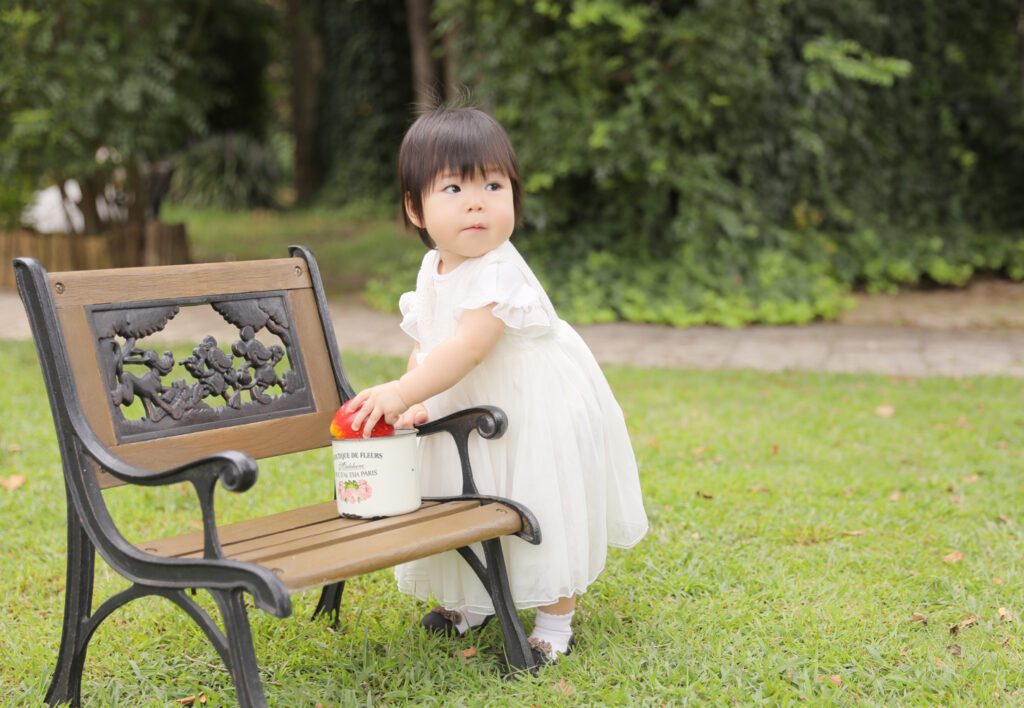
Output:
(232, 171)
(751, 160)
(743, 161)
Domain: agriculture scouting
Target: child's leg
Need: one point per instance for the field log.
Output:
(552, 631)
(564, 606)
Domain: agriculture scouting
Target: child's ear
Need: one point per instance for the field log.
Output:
(411, 212)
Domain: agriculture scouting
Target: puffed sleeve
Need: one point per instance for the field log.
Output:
(517, 303)
(407, 306)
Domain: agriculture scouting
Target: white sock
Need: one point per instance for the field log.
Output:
(553, 629)
(468, 619)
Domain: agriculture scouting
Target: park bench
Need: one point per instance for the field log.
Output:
(122, 417)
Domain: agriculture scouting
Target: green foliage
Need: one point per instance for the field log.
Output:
(232, 171)
(672, 152)
(95, 74)
(778, 557)
(363, 100)
(96, 90)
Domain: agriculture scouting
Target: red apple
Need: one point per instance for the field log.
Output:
(341, 424)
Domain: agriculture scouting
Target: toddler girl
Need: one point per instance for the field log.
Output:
(486, 333)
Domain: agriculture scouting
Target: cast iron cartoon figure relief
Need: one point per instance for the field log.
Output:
(259, 376)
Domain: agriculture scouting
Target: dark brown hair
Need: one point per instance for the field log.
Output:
(463, 140)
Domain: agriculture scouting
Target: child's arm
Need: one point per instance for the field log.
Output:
(417, 413)
(413, 358)
(478, 331)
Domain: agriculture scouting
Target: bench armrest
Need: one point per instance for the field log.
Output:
(530, 532)
(236, 471)
(489, 421)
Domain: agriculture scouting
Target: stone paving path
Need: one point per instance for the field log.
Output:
(849, 347)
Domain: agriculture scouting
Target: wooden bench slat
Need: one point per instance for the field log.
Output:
(314, 567)
(89, 287)
(336, 531)
(290, 526)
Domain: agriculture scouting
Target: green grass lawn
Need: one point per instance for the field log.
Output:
(352, 245)
(823, 538)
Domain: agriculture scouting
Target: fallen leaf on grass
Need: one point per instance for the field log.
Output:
(954, 557)
(12, 482)
(919, 617)
(565, 688)
(956, 650)
(847, 492)
(971, 479)
(14, 448)
(885, 411)
(705, 495)
(697, 451)
(1005, 519)
(191, 700)
(1004, 614)
(939, 662)
(966, 622)
(961, 422)
(895, 496)
(955, 498)
(835, 678)
(759, 488)
(466, 654)
(858, 532)
(1004, 642)
(775, 449)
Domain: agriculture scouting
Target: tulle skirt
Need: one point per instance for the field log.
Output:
(566, 456)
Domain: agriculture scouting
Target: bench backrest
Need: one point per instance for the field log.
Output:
(269, 386)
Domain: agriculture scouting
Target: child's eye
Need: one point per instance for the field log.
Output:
(493, 187)
(452, 189)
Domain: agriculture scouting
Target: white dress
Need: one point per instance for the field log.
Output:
(566, 455)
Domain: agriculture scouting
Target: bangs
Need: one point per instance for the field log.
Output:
(463, 141)
(467, 156)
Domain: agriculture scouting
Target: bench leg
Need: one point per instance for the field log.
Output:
(66, 686)
(330, 602)
(518, 654)
(241, 655)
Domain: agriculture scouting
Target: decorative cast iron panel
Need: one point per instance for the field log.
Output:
(258, 377)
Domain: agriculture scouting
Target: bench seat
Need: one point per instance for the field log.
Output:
(313, 546)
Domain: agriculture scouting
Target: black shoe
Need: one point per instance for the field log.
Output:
(543, 654)
(442, 621)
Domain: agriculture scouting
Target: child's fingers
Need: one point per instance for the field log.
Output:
(356, 404)
(362, 411)
(371, 420)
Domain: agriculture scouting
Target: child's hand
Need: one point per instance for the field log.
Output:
(414, 416)
(378, 402)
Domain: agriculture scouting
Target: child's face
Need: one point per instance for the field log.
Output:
(466, 216)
